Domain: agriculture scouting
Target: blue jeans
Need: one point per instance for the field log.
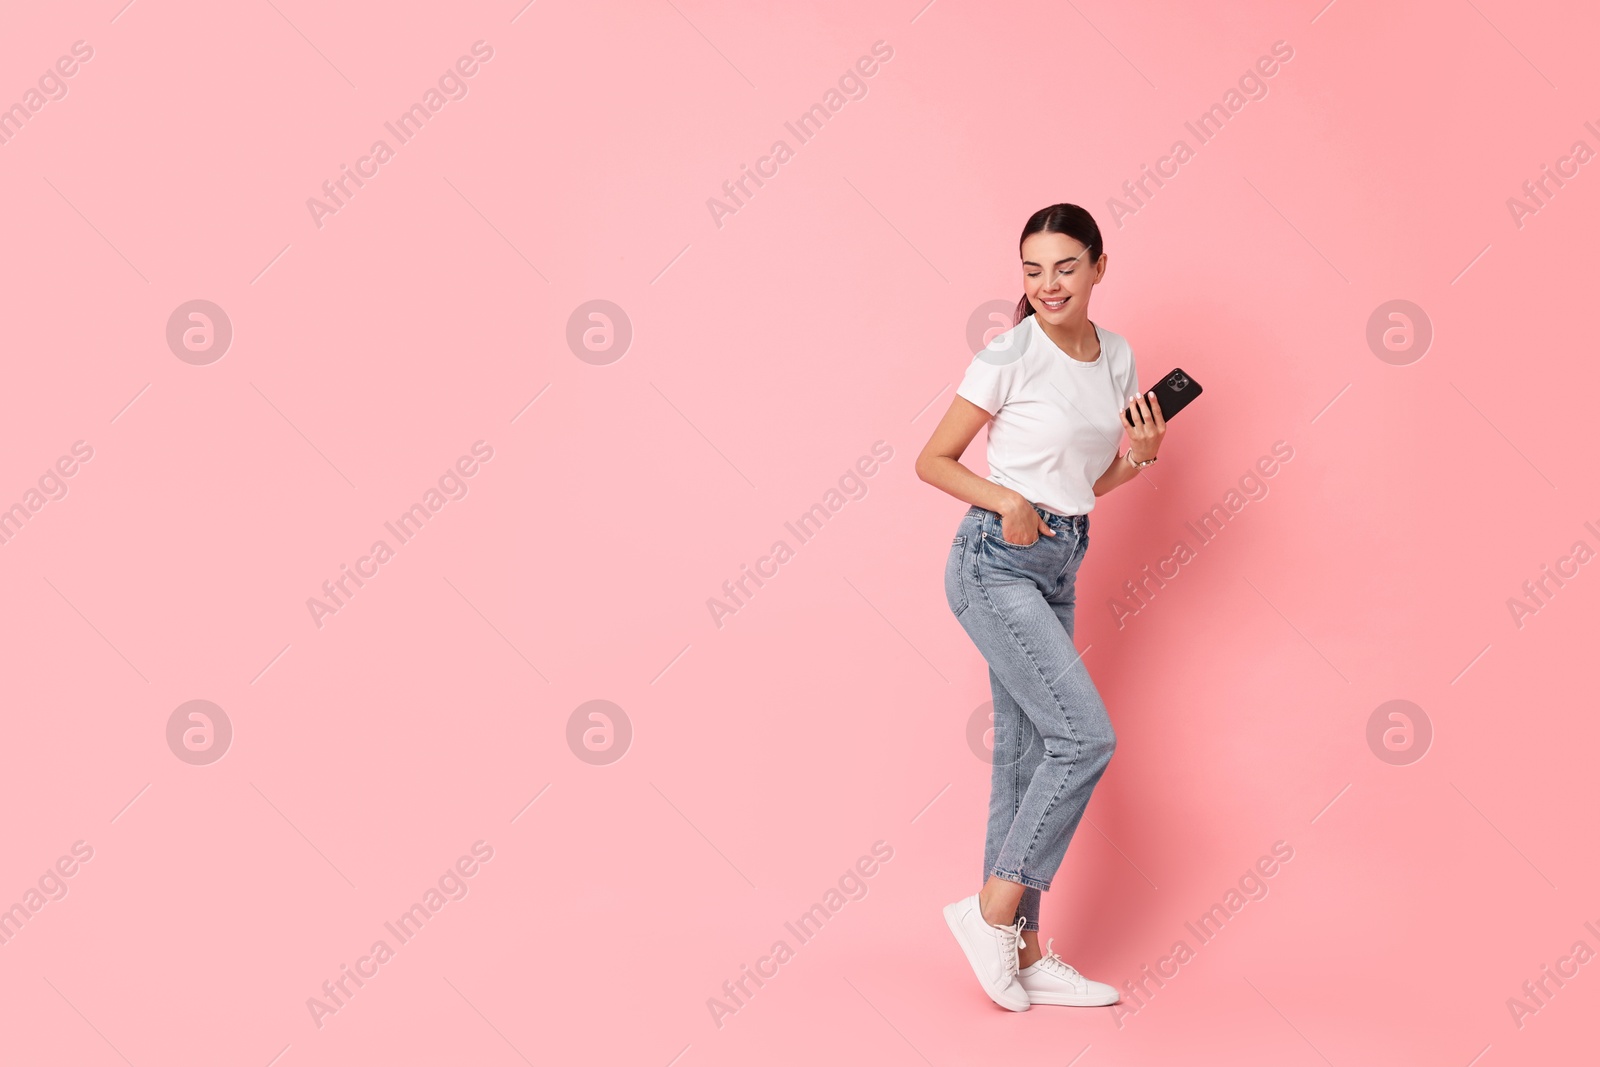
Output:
(1052, 736)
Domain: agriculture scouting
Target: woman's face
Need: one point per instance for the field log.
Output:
(1057, 276)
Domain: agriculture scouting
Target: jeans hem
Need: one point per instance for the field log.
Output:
(1017, 876)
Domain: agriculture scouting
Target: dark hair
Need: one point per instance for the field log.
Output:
(1069, 219)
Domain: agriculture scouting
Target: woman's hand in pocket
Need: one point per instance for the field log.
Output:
(1021, 525)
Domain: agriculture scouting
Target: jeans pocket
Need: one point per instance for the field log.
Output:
(955, 586)
(996, 532)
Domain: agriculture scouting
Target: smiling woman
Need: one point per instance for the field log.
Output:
(1053, 391)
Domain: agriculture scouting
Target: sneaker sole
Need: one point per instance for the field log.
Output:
(1068, 1000)
(954, 923)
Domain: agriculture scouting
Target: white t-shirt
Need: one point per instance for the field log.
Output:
(1057, 420)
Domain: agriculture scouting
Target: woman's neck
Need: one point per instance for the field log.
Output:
(1074, 337)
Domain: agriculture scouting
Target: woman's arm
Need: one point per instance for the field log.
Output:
(1119, 472)
(940, 462)
(1144, 441)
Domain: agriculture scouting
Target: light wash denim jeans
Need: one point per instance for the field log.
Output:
(1052, 736)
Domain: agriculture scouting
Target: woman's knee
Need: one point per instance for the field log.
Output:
(1105, 735)
(1091, 748)
(1101, 744)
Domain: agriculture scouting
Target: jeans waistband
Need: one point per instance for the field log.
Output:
(1054, 520)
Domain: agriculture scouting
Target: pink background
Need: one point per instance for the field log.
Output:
(768, 354)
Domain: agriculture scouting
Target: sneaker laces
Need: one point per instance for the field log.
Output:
(1012, 936)
(1060, 967)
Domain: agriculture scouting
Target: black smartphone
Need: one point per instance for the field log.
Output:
(1173, 393)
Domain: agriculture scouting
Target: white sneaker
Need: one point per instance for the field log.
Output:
(992, 951)
(1054, 981)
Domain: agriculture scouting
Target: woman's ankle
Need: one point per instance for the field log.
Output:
(996, 916)
(998, 901)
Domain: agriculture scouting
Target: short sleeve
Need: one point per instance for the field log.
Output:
(1130, 385)
(986, 384)
(996, 371)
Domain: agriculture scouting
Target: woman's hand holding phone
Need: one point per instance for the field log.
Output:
(1147, 428)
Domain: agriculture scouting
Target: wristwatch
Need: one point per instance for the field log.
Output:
(1138, 465)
